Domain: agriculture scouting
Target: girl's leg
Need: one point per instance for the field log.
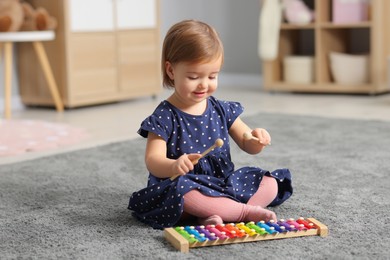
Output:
(206, 208)
(266, 193)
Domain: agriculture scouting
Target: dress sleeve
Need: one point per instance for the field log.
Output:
(232, 110)
(156, 125)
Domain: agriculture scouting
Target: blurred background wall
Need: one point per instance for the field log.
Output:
(235, 21)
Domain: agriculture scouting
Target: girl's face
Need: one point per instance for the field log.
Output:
(194, 83)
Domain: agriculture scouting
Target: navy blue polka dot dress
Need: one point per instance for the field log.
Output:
(160, 204)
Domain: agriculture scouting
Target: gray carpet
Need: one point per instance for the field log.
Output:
(73, 205)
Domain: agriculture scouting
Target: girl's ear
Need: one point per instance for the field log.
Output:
(169, 70)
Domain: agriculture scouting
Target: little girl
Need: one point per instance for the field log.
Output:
(188, 123)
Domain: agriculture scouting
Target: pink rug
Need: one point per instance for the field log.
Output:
(22, 136)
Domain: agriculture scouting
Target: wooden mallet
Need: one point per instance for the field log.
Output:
(218, 143)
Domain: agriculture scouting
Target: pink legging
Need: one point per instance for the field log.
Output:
(203, 207)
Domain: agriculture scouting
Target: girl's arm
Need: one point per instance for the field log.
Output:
(162, 167)
(251, 146)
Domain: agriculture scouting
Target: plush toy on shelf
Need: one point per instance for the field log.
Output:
(271, 13)
(11, 15)
(297, 12)
(21, 16)
(37, 19)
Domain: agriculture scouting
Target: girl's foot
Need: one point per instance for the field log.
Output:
(212, 220)
(257, 213)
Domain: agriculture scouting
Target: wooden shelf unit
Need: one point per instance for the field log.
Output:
(105, 51)
(321, 37)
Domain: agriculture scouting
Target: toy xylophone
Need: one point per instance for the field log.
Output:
(186, 237)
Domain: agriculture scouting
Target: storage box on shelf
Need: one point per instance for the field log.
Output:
(105, 51)
(323, 37)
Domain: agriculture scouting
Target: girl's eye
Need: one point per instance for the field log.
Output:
(212, 77)
(193, 78)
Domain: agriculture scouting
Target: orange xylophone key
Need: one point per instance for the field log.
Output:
(237, 231)
(229, 233)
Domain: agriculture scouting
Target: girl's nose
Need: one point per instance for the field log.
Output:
(203, 84)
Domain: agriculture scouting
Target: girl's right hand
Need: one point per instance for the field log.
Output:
(184, 163)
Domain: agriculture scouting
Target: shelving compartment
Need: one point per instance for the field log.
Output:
(350, 41)
(293, 42)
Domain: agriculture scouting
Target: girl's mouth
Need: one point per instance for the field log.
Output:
(199, 93)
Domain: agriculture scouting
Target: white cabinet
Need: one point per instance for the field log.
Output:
(91, 15)
(136, 14)
(108, 15)
(105, 51)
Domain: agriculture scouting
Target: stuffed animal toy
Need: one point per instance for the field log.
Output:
(37, 19)
(296, 12)
(11, 15)
(18, 16)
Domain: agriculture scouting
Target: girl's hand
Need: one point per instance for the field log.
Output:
(184, 163)
(263, 136)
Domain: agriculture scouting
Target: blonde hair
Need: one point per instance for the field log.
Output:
(189, 41)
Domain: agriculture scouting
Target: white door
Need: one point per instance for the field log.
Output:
(91, 15)
(136, 14)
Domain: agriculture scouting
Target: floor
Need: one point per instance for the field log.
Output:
(120, 121)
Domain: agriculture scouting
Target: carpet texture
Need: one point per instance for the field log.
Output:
(73, 205)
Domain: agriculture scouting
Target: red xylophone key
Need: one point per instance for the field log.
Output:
(229, 233)
(307, 224)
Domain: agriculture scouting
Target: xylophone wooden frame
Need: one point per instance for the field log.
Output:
(183, 245)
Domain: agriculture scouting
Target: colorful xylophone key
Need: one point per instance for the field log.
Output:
(233, 228)
(307, 224)
(209, 235)
(192, 231)
(278, 228)
(185, 234)
(255, 227)
(247, 230)
(297, 226)
(268, 229)
(288, 227)
(219, 234)
(226, 231)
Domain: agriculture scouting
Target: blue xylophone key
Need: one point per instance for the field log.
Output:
(280, 229)
(270, 230)
(193, 231)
